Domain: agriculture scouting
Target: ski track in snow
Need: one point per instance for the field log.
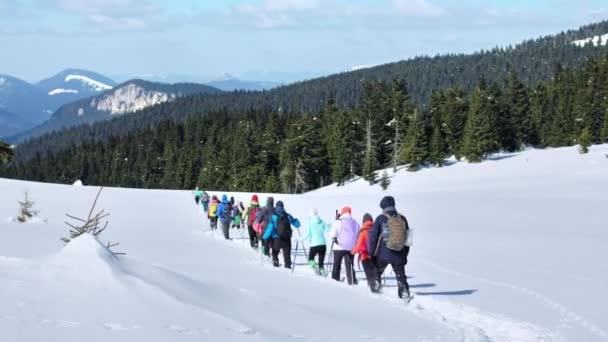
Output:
(466, 322)
(567, 314)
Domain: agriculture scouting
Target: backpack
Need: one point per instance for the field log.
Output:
(283, 227)
(394, 232)
(348, 233)
(213, 209)
(253, 213)
(227, 213)
(205, 197)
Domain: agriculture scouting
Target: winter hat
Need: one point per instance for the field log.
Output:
(345, 210)
(280, 204)
(224, 198)
(387, 201)
(254, 198)
(367, 217)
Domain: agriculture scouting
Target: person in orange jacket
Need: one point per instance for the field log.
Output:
(366, 260)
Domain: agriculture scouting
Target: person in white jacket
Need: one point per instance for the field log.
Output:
(344, 235)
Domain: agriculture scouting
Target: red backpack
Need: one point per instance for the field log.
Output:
(252, 215)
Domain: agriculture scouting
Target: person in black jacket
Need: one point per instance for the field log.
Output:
(384, 256)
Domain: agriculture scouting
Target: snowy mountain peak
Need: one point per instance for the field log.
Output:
(130, 98)
(225, 77)
(96, 85)
(595, 41)
(62, 91)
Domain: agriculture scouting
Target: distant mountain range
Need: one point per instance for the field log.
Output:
(25, 105)
(124, 98)
(223, 81)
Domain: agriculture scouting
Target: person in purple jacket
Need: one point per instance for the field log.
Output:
(344, 235)
(382, 254)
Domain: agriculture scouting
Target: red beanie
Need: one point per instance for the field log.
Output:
(345, 210)
(254, 198)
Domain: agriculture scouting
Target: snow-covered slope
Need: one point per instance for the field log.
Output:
(600, 40)
(511, 249)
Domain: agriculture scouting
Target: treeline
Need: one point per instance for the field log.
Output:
(533, 60)
(260, 150)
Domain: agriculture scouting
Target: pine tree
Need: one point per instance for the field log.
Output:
(26, 210)
(339, 143)
(584, 140)
(369, 159)
(437, 148)
(481, 133)
(519, 116)
(385, 181)
(453, 107)
(6, 153)
(416, 150)
(604, 134)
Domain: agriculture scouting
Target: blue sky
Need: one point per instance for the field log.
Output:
(256, 39)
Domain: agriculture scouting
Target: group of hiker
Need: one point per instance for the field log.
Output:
(378, 242)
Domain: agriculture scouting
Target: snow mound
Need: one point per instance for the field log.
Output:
(78, 183)
(33, 220)
(96, 85)
(62, 91)
(595, 40)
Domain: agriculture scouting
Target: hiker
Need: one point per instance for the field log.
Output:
(236, 215)
(197, 195)
(212, 213)
(279, 231)
(315, 234)
(364, 257)
(205, 201)
(388, 243)
(344, 237)
(261, 222)
(249, 215)
(224, 212)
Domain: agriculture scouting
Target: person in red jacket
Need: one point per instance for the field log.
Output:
(366, 260)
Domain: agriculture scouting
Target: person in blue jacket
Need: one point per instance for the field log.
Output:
(384, 256)
(224, 212)
(279, 231)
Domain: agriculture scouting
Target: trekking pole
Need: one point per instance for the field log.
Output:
(300, 235)
(293, 264)
(331, 255)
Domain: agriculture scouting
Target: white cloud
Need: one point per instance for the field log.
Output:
(418, 8)
(112, 15)
(291, 5)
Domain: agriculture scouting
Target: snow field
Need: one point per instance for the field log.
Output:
(507, 250)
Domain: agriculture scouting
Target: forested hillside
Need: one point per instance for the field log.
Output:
(260, 150)
(532, 60)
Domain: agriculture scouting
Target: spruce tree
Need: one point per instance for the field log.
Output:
(369, 159)
(416, 149)
(585, 140)
(481, 133)
(604, 133)
(339, 140)
(437, 148)
(519, 116)
(6, 153)
(385, 180)
(453, 107)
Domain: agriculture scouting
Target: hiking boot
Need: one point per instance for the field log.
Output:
(403, 292)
